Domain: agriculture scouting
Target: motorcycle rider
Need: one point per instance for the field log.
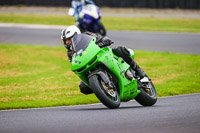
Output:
(68, 33)
(77, 5)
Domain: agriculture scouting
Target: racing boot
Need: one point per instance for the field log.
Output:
(138, 70)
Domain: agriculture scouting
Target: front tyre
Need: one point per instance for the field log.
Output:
(148, 94)
(109, 97)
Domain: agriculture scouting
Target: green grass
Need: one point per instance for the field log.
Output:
(40, 76)
(113, 23)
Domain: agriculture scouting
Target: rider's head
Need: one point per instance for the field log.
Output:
(68, 33)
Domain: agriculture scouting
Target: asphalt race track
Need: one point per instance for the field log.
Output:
(179, 114)
(149, 41)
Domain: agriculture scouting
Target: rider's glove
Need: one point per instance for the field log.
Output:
(105, 42)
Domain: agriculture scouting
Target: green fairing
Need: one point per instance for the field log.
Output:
(92, 56)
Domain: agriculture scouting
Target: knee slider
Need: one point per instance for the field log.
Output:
(85, 89)
(121, 51)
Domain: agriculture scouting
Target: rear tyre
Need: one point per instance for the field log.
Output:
(148, 95)
(81, 28)
(109, 97)
(101, 30)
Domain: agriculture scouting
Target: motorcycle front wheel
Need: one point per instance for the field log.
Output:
(109, 97)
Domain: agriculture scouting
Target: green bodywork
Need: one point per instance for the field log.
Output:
(92, 56)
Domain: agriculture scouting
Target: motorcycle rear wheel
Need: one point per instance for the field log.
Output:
(147, 96)
(102, 29)
(97, 86)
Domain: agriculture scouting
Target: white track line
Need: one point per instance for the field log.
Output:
(32, 26)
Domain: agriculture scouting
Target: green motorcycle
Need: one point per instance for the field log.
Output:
(109, 76)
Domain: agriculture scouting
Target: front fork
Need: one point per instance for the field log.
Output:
(104, 77)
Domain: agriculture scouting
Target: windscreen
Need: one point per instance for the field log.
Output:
(80, 42)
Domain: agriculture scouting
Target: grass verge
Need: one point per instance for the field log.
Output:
(112, 23)
(40, 76)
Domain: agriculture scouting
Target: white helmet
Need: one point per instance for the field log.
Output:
(69, 32)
